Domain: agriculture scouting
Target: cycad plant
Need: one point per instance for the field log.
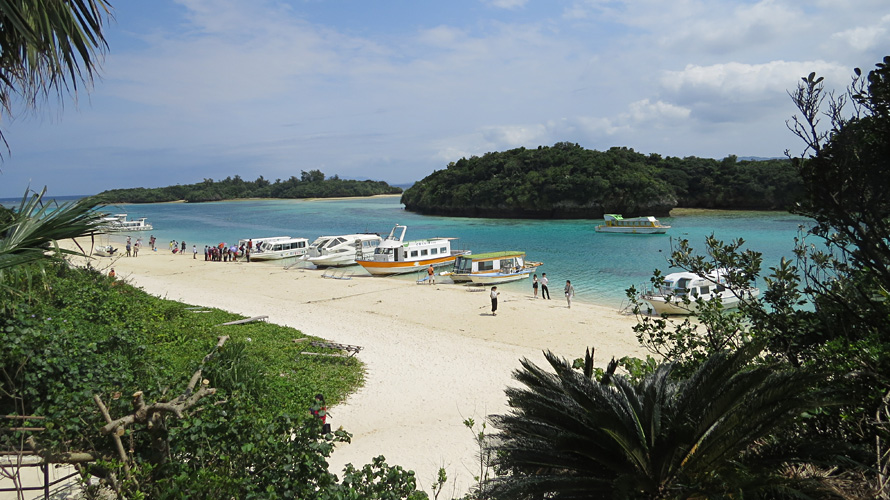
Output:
(570, 436)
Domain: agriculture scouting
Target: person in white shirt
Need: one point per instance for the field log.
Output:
(570, 292)
(545, 292)
(494, 300)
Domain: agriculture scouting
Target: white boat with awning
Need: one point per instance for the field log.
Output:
(492, 268)
(119, 223)
(614, 223)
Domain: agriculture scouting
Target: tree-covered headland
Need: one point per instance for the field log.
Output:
(311, 184)
(568, 181)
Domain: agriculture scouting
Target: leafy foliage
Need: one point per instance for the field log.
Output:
(572, 436)
(33, 227)
(81, 333)
(568, 181)
(311, 184)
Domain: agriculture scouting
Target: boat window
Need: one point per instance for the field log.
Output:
(414, 253)
(434, 251)
(705, 290)
(444, 249)
(487, 265)
(423, 252)
(720, 288)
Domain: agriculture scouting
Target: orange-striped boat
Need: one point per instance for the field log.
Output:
(394, 255)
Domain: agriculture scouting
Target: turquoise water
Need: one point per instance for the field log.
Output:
(601, 266)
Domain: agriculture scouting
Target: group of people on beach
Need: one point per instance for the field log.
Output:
(569, 291)
(545, 292)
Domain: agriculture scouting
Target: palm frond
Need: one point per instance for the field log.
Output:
(33, 230)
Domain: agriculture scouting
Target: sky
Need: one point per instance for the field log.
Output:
(393, 90)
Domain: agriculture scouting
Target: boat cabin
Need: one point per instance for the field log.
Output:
(395, 249)
(489, 262)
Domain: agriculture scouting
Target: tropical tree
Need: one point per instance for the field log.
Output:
(571, 436)
(48, 46)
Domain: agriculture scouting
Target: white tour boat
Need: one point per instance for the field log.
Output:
(119, 223)
(394, 255)
(492, 268)
(255, 243)
(278, 248)
(668, 299)
(615, 223)
(342, 250)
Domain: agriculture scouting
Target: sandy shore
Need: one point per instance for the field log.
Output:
(434, 353)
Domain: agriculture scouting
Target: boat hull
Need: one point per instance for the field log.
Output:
(387, 268)
(632, 230)
(333, 260)
(674, 306)
(278, 255)
(497, 278)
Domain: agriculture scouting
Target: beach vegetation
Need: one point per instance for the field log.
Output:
(311, 184)
(81, 343)
(821, 325)
(569, 181)
(570, 434)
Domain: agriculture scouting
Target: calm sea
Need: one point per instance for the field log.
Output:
(601, 266)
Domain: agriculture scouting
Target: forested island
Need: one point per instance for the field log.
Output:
(569, 181)
(311, 184)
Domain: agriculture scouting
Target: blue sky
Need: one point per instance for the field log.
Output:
(393, 90)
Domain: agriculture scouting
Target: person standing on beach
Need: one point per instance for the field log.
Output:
(183, 247)
(195, 252)
(535, 285)
(494, 300)
(136, 249)
(545, 292)
(431, 275)
(570, 292)
(129, 247)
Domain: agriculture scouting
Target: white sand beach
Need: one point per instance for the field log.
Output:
(434, 353)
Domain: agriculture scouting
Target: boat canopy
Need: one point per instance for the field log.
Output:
(492, 255)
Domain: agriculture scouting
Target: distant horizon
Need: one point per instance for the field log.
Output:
(404, 185)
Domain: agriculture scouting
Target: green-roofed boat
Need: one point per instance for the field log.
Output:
(492, 268)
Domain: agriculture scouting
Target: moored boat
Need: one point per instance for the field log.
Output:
(119, 223)
(614, 223)
(669, 298)
(394, 255)
(279, 248)
(342, 250)
(492, 268)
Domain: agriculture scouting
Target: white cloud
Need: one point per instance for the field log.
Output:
(863, 38)
(739, 82)
(514, 135)
(506, 4)
(646, 111)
